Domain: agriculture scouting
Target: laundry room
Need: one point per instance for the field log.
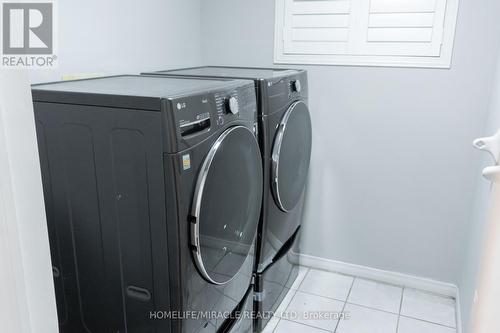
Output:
(230, 166)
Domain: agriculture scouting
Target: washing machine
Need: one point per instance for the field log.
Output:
(153, 190)
(285, 139)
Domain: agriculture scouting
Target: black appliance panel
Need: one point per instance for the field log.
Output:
(275, 87)
(194, 292)
(194, 118)
(226, 205)
(127, 91)
(102, 172)
(107, 148)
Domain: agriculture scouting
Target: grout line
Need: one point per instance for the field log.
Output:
(372, 308)
(403, 288)
(338, 321)
(304, 324)
(332, 298)
(291, 292)
(365, 278)
(433, 294)
(380, 282)
(317, 295)
(401, 303)
(429, 322)
(345, 303)
(276, 326)
(400, 308)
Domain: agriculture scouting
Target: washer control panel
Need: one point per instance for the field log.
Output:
(197, 116)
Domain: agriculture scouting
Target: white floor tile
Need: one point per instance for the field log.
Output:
(327, 284)
(429, 307)
(365, 320)
(376, 295)
(410, 325)
(312, 310)
(286, 326)
(271, 325)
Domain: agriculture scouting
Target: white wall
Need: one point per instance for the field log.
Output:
(393, 177)
(103, 37)
(125, 36)
(27, 301)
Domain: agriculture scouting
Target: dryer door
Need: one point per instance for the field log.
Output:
(226, 205)
(290, 156)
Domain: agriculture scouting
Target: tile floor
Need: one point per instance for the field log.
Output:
(369, 306)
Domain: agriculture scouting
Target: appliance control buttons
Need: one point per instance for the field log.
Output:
(295, 85)
(232, 105)
(220, 121)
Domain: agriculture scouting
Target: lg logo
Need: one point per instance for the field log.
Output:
(28, 28)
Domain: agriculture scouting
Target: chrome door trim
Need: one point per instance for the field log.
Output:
(275, 156)
(196, 206)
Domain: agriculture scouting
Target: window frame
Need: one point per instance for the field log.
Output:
(444, 60)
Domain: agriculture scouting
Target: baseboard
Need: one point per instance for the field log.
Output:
(399, 279)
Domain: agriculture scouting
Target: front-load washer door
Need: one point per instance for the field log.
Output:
(290, 156)
(226, 205)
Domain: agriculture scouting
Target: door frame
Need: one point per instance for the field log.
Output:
(26, 284)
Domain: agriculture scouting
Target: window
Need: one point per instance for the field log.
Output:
(411, 33)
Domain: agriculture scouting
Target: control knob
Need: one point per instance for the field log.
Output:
(232, 105)
(295, 85)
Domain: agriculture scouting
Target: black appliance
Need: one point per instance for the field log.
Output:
(285, 139)
(153, 193)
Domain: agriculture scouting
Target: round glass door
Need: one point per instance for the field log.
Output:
(290, 156)
(226, 205)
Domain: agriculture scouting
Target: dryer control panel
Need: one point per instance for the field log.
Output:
(198, 116)
(283, 91)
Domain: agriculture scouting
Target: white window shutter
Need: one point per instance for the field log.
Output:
(404, 28)
(415, 33)
(316, 26)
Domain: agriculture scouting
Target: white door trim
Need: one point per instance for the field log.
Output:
(26, 283)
